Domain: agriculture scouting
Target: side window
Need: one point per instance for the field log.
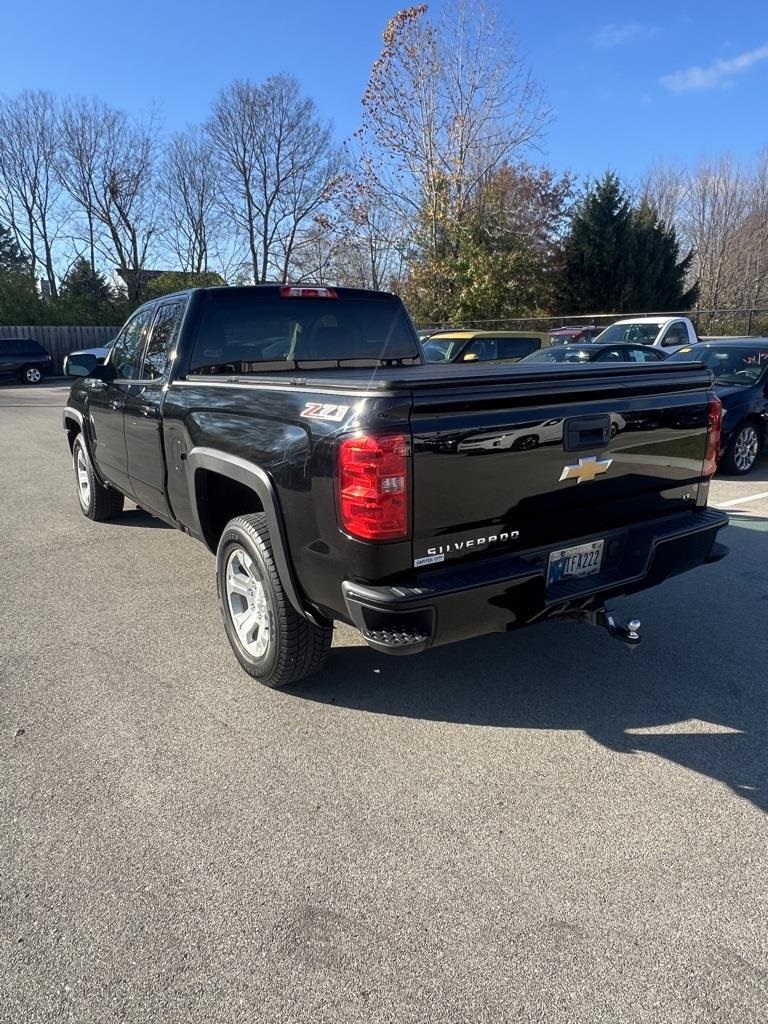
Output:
(127, 347)
(481, 350)
(162, 342)
(638, 355)
(676, 335)
(611, 355)
(516, 348)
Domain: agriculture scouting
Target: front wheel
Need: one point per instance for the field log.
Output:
(97, 502)
(31, 375)
(743, 450)
(271, 640)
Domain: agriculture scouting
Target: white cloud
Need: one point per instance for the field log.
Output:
(718, 73)
(610, 36)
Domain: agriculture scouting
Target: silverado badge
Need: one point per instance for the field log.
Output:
(586, 470)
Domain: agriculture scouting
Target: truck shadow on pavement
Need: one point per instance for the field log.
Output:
(138, 517)
(695, 692)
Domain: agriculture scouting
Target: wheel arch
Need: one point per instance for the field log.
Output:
(222, 487)
(72, 421)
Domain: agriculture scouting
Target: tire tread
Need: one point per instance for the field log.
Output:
(304, 647)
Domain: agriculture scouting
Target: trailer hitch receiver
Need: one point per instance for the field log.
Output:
(627, 632)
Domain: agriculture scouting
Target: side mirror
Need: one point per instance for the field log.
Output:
(80, 364)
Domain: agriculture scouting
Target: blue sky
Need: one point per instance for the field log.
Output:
(628, 84)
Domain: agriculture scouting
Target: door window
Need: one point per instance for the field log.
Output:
(644, 355)
(676, 335)
(162, 342)
(611, 355)
(128, 344)
(483, 349)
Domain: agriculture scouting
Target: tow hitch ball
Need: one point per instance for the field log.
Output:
(628, 632)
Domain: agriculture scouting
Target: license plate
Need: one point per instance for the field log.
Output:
(580, 560)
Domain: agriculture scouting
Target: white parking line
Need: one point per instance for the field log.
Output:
(742, 501)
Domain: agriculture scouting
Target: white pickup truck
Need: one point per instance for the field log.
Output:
(662, 331)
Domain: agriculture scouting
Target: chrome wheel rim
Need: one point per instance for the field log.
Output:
(247, 603)
(34, 376)
(83, 483)
(746, 448)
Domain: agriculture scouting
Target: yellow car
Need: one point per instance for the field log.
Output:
(482, 346)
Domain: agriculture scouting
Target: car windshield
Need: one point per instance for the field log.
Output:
(250, 333)
(732, 365)
(638, 334)
(571, 354)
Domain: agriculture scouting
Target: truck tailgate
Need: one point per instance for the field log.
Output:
(535, 458)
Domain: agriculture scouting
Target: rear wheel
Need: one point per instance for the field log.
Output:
(97, 502)
(271, 640)
(743, 449)
(31, 375)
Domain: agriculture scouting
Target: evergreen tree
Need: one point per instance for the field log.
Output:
(85, 297)
(12, 259)
(85, 285)
(19, 302)
(620, 259)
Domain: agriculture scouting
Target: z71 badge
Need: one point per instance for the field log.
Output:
(318, 411)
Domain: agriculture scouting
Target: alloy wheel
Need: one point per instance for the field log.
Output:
(745, 449)
(248, 603)
(83, 481)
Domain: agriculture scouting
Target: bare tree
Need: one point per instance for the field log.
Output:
(29, 189)
(107, 166)
(445, 106)
(714, 209)
(278, 165)
(664, 188)
(189, 185)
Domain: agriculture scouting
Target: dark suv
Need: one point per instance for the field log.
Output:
(24, 359)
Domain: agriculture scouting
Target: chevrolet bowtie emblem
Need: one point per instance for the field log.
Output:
(586, 470)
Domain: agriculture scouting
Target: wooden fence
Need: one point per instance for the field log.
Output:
(61, 340)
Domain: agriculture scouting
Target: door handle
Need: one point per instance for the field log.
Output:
(116, 404)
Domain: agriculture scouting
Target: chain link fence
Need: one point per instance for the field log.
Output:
(727, 322)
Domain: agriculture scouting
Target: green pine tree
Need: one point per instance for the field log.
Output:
(85, 297)
(12, 259)
(19, 301)
(617, 258)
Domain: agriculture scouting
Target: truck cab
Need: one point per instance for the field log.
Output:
(662, 331)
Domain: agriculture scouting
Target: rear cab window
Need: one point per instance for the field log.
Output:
(250, 332)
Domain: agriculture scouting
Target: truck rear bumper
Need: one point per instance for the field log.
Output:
(500, 594)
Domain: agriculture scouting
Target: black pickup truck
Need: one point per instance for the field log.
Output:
(298, 433)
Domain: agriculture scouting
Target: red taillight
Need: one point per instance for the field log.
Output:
(712, 453)
(291, 291)
(373, 486)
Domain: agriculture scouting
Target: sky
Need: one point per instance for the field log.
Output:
(628, 85)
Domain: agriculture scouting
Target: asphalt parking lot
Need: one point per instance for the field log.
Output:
(537, 827)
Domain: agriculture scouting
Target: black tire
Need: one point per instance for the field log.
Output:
(295, 647)
(31, 375)
(743, 449)
(96, 501)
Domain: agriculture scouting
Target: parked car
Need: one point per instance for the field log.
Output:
(482, 346)
(740, 368)
(574, 335)
(25, 359)
(662, 331)
(296, 431)
(100, 352)
(595, 353)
